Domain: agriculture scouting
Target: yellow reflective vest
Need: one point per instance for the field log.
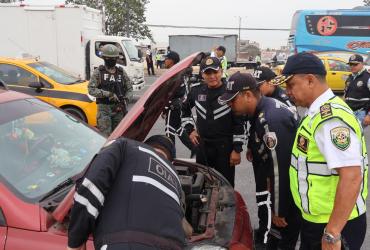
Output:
(312, 183)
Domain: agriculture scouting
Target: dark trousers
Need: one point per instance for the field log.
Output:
(286, 238)
(353, 234)
(173, 127)
(150, 67)
(216, 154)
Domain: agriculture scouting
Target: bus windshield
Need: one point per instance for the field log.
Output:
(331, 30)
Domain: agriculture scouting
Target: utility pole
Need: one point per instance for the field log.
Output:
(127, 19)
(240, 23)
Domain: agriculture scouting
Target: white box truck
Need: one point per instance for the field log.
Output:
(68, 36)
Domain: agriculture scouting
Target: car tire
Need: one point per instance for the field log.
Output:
(75, 112)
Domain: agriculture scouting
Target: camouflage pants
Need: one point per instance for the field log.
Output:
(108, 118)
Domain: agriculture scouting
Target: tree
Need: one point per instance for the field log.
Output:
(122, 17)
(367, 2)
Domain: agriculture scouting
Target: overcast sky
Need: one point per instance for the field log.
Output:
(254, 13)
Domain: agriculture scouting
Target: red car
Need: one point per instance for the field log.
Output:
(43, 151)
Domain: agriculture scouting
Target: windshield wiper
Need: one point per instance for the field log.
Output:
(59, 187)
(77, 81)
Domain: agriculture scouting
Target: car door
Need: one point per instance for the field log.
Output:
(22, 80)
(3, 230)
(338, 72)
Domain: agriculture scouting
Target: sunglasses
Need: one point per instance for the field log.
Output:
(353, 64)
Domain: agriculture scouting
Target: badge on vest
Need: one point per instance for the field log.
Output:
(325, 111)
(302, 143)
(202, 98)
(340, 137)
(270, 140)
(360, 83)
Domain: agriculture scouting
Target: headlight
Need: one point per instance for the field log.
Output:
(208, 247)
(92, 98)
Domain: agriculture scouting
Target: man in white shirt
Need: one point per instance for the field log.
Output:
(328, 171)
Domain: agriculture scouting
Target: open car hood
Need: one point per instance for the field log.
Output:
(140, 119)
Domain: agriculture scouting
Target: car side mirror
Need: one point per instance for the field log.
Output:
(3, 85)
(36, 85)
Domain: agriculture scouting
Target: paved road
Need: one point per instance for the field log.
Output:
(244, 182)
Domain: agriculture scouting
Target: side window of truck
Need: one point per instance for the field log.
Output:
(14, 75)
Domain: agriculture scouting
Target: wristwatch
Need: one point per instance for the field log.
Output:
(329, 238)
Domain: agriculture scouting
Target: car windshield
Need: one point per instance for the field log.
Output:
(41, 147)
(55, 73)
(131, 50)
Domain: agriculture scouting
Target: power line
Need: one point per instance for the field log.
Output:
(212, 28)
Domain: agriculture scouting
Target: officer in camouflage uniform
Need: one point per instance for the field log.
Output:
(112, 87)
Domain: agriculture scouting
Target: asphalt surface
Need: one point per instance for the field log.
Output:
(244, 180)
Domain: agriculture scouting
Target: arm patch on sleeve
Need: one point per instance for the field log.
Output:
(340, 137)
(270, 140)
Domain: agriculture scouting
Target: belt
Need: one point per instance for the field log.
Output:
(144, 238)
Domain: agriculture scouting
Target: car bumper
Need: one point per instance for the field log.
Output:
(242, 234)
(138, 84)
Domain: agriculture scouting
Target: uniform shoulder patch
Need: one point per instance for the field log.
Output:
(325, 110)
(340, 137)
(270, 140)
(302, 143)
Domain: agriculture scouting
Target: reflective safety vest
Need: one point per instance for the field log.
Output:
(224, 66)
(312, 183)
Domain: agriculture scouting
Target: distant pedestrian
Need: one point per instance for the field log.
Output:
(149, 60)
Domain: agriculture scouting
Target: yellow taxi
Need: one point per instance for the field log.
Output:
(337, 72)
(51, 84)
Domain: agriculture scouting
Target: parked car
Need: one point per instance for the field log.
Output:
(44, 151)
(337, 72)
(51, 84)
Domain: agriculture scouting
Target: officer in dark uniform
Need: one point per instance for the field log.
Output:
(218, 134)
(357, 91)
(172, 113)
(272, 134)
(112, 87)
(130, 198)
(264, 75)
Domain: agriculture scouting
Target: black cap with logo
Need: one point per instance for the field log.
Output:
(237, 82)
(210, 63)
(164, 143)
(355, 59)
(301, 63)
(262, 74)
(172, 55)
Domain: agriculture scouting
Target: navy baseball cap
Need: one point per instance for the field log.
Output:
(210, 63)
(301, 63)
(355, 59)
(173, 56)
(237, 82)
(164, 143)
(263, 73)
